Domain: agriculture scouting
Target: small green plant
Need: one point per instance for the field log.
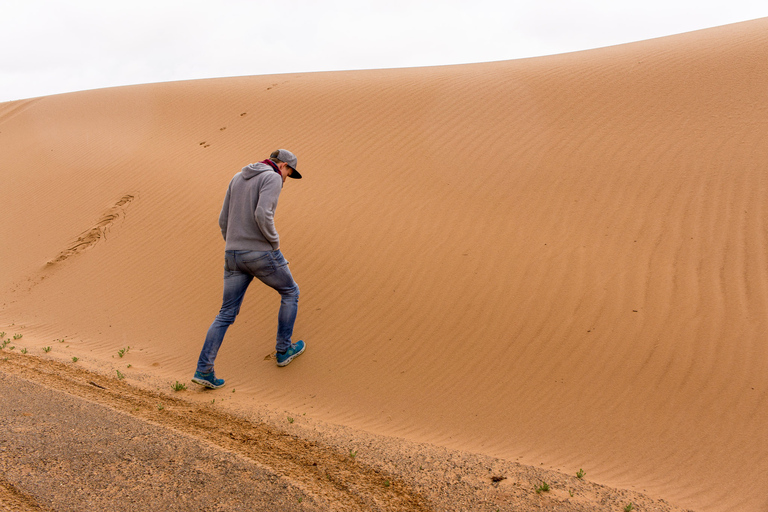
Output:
(570, 491)
(352, 454)
(160, 407)
(17, 336)
(120, 376)
(24, 351)
(387, 483)
(213, 401)
(178, 386)
(290, 420)
(301, 499)
(74, 359)
(629, 507)
(123, 351)
(129, 366)
(544, 487)
(46, 349)
(12, 347)
(580, 473)
(2, 335)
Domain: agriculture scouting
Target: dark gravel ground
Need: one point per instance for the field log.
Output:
(66, 453)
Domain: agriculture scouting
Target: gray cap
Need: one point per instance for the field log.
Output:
(289, 158)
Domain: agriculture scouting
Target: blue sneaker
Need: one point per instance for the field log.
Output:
(208, 380)
(283, 358)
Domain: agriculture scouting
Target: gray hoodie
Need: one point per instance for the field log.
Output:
(247, 219)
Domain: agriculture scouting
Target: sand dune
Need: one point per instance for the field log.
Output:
(559, 260)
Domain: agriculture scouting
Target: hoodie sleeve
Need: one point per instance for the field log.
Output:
(269, 192)
(224, 215)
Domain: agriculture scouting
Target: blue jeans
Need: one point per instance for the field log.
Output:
(240, 267)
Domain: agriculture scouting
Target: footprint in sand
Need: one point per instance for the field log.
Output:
(95, 233)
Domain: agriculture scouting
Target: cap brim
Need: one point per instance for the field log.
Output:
(295, 174)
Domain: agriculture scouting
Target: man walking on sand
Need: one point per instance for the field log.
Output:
(253, 250)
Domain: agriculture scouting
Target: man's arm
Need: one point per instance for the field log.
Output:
(266, 206)
(224, 215)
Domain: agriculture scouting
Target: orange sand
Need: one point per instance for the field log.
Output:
(559, 260)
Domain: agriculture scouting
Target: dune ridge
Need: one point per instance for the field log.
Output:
(558, 260)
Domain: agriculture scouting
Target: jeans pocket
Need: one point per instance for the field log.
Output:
(259, 267)
(278, 258)
(229, 263)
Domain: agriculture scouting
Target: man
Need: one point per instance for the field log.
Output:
(253, 250)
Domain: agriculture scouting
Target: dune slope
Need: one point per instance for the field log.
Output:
(559, 260)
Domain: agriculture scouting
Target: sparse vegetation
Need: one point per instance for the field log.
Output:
(178, 386)
(352, 454)
(544, 487)
(17, 336)
(120, 376)
(160, 407)
(46, 349)
(74, 359)
(24, 351)
(629, 507)
(123, 351)
(580, 473)
(387, 483)
(290, 420)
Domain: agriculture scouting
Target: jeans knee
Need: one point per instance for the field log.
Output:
(227, 316)
(292, 293)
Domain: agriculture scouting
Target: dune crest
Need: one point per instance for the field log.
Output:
(559, 260)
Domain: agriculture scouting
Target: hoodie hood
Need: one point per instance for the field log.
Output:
(251, 170)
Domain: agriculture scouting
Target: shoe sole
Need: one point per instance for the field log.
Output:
(294, 356)
(205, 383)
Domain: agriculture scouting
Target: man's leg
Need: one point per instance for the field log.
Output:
(235, 285)
(282, 281)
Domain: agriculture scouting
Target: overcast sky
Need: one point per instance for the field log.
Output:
(55, 46)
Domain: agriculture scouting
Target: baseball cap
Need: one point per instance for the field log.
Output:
(289, 158)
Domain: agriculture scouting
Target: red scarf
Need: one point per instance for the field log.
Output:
(273, 165)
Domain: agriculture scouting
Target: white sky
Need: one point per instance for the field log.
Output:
(55, 46)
